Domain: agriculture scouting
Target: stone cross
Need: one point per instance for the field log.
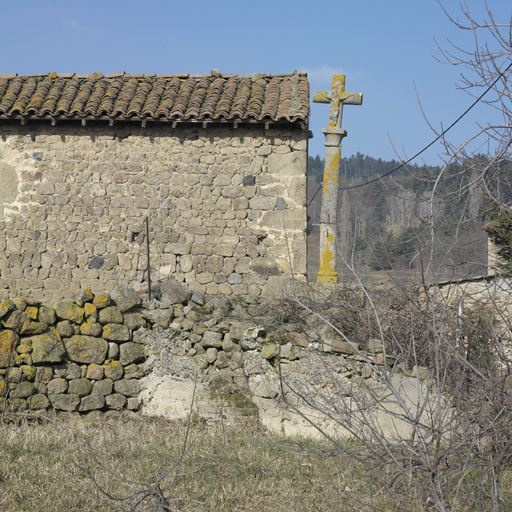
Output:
(337, 97)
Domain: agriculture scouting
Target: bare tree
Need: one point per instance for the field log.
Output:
(435, 417)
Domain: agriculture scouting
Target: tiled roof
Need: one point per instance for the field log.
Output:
(209, 97)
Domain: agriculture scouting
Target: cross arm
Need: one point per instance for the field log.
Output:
(347, 98)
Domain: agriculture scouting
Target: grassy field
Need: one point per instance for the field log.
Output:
(50, 466)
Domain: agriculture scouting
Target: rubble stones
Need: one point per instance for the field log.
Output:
(67, 403)
(160, 317)
(126, 299)
(174, 292)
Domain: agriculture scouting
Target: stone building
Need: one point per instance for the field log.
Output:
(216, 162)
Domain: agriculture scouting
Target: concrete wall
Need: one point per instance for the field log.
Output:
(73, 201)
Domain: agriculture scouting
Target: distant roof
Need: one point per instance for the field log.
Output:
(211, 97)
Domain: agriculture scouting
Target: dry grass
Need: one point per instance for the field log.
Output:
(42, 468)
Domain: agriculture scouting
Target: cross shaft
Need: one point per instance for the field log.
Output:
(336, 97)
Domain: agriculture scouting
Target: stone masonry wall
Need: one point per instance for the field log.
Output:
(73, 201)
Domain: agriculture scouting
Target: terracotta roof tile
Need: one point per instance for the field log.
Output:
(212, 96)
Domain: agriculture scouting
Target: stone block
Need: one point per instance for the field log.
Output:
(131, 353)
(270, 351)
(110, 315)
(47, 348)
(134, 321)
(113, 350)
(67, 310)
(115, 401)
(30, 327)
(113, 370)
(212, 339)
(160, 317)
(44, 375)
(38, 402)
(211, 355)
(86, 349)
(126, 299)
(94, 372)
(73, 371)
(47, 315)
(8, 341)
(102, 387)
(65, 329)
(262, 203)
(92, 403)
(57, 386)
(102, 301)
(24, 390)
(91, 329)
(173, 292)
(177, 248)
(116, 332)
(80, 387)
(133, 371)
(128, 387)
(289, 164)
(13, 320)
(133, 403)
(6, 305)
(293, 219)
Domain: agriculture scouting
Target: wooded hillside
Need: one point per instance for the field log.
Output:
(401, 221)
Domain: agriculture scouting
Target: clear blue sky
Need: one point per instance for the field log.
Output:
(382, 47)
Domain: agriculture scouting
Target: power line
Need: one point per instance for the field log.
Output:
(502, 73)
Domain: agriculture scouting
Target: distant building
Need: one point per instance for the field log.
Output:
(216, 162)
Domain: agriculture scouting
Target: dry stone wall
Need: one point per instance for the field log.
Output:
(80, 355)
(221, 358)
(73, 201)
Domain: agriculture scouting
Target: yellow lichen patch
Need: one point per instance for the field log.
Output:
(5, 306)
(8, 341)
(338, 82)
(29, 372)
(31, 312)
(90, 309)
(326, 259)
(102, 301)
(327, 274)
(113, 370)
(331, 172)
